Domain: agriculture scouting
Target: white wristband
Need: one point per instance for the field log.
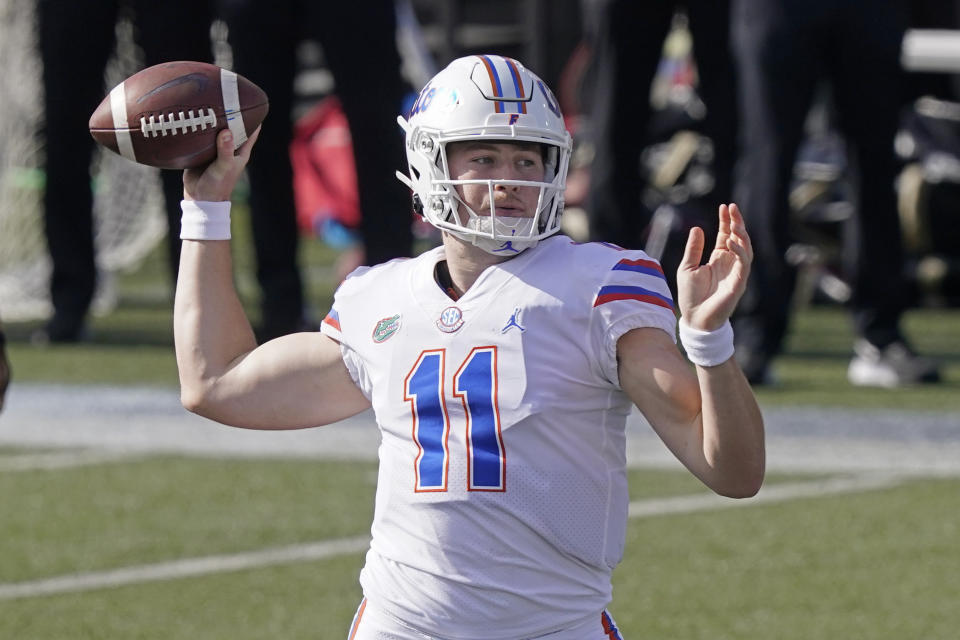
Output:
(204, 220)
(707, 348)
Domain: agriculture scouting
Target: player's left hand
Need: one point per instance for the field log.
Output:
(707, 294)
(215, 182)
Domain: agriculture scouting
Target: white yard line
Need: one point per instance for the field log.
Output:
(773, 493)
(185, 568)
(192, 567)
(62, 459)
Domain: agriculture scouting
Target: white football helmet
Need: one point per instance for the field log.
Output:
(498, 100)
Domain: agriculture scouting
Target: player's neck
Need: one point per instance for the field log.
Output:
(465, 262)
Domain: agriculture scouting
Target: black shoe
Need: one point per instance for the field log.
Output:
(894, 365)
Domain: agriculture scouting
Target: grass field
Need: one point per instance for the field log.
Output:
(876, 564)
(142, 547)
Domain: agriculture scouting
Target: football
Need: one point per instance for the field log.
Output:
(168, 115)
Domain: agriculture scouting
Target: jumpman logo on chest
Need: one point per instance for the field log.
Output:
(514, 321)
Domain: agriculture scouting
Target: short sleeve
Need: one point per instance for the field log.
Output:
(344, 300)
(333, 327)
(632, 293)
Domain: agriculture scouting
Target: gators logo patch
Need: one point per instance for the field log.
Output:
(386, 328)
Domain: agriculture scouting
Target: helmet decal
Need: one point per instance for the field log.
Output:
(441, 98)
(514, 97)
(551, 100)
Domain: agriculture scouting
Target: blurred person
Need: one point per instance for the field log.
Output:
(360, 49)
(627, 40)
(502, 512)
(784, 49)
(76, 41)
(4, 367)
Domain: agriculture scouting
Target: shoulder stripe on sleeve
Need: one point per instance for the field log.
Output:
(610, 293)
(333, 319)
(649, 267)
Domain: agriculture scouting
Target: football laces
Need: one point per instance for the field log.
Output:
(173, 123)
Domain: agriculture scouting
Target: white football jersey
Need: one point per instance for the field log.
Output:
(501, 504)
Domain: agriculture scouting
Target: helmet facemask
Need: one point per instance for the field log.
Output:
(495, 233)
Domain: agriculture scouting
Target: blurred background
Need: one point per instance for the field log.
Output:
(677, 170)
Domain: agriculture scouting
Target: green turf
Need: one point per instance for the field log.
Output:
(14, 451)
(142, 511)
(312, 601)
(880, 564)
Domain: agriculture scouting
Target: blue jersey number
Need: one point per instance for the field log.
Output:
(475, 385)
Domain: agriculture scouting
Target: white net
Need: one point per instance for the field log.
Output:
(128, 199)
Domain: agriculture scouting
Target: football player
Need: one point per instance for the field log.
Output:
(501, 368)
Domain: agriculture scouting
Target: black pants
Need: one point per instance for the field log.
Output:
(783, 50)
(359, 45)
(76, 40)
(627, 42)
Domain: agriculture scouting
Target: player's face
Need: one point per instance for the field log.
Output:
(497, 161)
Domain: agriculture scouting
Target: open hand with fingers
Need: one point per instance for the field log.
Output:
(708, 293)
(215, 182)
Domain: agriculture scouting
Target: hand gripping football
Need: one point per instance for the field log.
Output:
(168, 115)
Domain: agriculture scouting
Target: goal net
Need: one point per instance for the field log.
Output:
(128, 201)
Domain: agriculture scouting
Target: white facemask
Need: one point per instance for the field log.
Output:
(503, 230)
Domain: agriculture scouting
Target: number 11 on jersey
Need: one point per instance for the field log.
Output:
(475, 385)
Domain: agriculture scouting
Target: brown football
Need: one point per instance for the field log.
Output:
(168, 115)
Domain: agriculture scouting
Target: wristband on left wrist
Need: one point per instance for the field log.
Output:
(707, 348)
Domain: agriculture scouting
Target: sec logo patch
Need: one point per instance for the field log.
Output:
(451, 319)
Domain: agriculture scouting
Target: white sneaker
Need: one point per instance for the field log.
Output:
(894, 365)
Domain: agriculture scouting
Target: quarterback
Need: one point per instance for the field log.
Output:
(500, 366)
